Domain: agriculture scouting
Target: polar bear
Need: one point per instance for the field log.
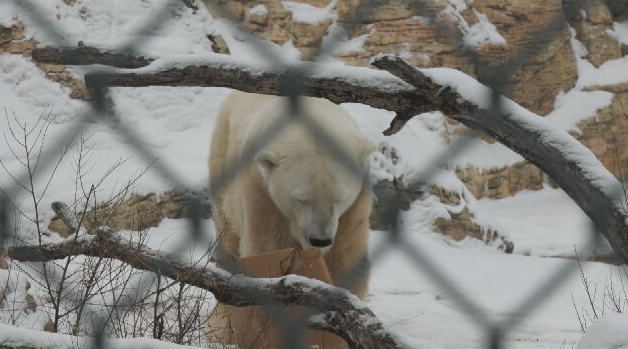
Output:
(296, 193)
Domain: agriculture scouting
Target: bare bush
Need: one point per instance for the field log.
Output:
(72, 294)
(612, 297)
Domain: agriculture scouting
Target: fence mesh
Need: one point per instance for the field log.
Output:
(496, 77)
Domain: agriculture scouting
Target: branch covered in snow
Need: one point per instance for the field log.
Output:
(63, 211)
(569, 163)
(82, 55)
(339, 84)
(342, 313)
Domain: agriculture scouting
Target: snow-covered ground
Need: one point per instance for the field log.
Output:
(406, 297)
(176, 123)
(543, 223)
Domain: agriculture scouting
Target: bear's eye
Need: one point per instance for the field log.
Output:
(301, 200)
(300, 197)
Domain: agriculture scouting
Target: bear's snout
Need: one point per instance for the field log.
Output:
(320, 242)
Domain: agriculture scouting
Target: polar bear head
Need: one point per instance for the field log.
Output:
(313, 190)
(306, 179)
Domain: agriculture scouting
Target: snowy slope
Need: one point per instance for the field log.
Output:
(555, 228)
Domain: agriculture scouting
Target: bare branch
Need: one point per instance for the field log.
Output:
(342, 312)
(568, 172)
(82, 54)
(234, 73)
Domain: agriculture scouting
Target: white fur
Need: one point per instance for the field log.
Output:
(294, 190)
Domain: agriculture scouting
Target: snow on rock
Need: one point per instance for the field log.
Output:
(611, 72)
(28, 84)
(337, 42)
(576, 105)
(112, 21)
(620, 32)
(481, 33)
(16, 289)
(258, 10)
(306, 13)
(608, 332)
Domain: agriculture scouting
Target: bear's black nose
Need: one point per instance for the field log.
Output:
(320, 242)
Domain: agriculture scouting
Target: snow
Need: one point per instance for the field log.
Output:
(620, 32)
(242, 44)
(474, 36)
(556, 229)
(614, 71)
(258, 10)
(576, 105)
(412, 303)
(22, 81)
(337, 42)
(20, 337)
(608, 332)
(306, 13)
(609, 73)
(483, 32)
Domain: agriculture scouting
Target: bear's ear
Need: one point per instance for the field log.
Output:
(267, 161)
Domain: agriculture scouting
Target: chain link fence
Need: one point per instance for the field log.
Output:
(497, 77)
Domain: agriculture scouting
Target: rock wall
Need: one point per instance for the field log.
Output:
(404, 27)
(592, 26)
(607, 134)
(12, 41)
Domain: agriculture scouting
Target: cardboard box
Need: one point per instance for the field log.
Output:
(254, 328)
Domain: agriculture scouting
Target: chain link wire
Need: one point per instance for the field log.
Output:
(496, 77)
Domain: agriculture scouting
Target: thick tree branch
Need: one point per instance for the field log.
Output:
(84, 55)
(583, 178)
(217, 70)
(404, 102)
(343, 313)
